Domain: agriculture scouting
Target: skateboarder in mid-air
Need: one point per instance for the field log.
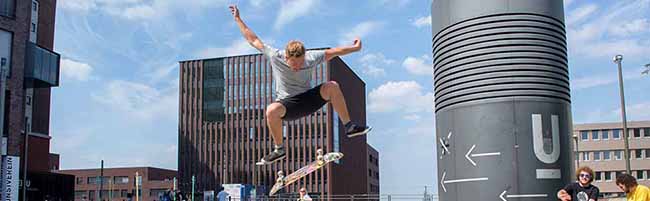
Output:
(292, 70)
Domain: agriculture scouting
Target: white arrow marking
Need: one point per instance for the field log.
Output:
(443, 182)
(449, 135)
(444, 146)
(469, 153)
(522, 196)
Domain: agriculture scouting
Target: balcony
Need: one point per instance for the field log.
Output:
(41, 66)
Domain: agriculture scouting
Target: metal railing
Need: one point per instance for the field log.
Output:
(357, 197)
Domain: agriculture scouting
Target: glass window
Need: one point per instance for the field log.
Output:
(640, 174)
(7, 8)
(646, 132)
(335, 127)
(605, 134)
(616, 133)
(606, 155)
(92, 180)
(618, 155)
(585, 156)
(121, 180)
(647, 153)
(214, 88)
(597, 156)
(584, 135)
(595, 135)
(637, 133)
(638, 154)
(598, 177)
(608, 176)
(80, 180)
(78, 195)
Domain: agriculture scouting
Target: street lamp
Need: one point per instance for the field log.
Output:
(575, 139)
(618, 59)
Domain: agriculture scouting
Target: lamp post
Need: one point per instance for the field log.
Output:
(575, 139)
(618, 60)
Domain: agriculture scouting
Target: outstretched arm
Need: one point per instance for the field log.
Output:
(252, 39)
(340, 51)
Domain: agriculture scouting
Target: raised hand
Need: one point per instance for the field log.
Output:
(357, 43)
(234, 11)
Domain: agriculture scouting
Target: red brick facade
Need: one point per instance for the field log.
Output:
(121, 181)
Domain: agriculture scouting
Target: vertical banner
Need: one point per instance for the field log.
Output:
(10, 175)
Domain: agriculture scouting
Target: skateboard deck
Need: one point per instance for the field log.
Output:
(321, 160)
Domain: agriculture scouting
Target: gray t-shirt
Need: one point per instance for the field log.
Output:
(287, 82)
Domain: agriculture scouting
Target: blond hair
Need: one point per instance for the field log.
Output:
(294, 49)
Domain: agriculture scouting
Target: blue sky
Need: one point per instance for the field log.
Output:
(120, 72)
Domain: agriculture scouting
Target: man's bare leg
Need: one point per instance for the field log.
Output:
(331, 91)
(274, 114)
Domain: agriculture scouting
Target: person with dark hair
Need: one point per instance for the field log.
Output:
(581, 190)
(635, 192)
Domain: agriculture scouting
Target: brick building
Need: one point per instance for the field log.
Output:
(30, 68)
(601, 146)
(118, 183)
(373, 171)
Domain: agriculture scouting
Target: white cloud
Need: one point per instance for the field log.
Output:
(374, 64)
(581, 13)
(163, 73)
(630, 28)
(401, 96)
(82, 6)
(412, 117)
(155, 9)
(137, 100)
(393, 3)
(139, 12)
(423, 21)
(75, 70)
(361, 30)
(603, 79)
(419, 66)
(237, 47)
(291, 10)
(636, 112)
(259, 3)
(594, 38)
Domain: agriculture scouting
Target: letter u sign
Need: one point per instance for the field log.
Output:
(538, 139)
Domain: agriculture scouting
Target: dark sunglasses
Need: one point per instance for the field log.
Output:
(585, 176)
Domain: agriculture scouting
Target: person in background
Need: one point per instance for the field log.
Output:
(635, 192)
(581, 190)
(304, 196)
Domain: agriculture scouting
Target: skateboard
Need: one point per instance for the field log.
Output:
(321, 160)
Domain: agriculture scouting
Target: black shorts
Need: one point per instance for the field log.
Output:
(302, 104)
